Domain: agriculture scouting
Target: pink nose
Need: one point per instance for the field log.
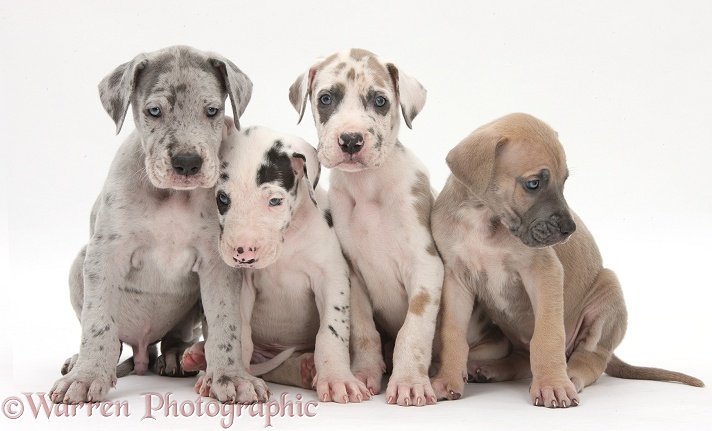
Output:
(244, 255)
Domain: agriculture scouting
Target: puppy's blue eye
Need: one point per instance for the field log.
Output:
(223, 198)
(532, 184)
(380, 101)
(154, 111)
(211, 112)
(275, 202)
(325, 99)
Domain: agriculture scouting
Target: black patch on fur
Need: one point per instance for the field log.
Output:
(277, 167)
(226, 347)
(369, 100)
(222, 206)
(336, 92)
(133, 290)
(333, 331)
(328, 218)
(98, 332)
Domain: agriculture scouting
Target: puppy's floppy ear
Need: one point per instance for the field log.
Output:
(472, 161)
(238, 85)
(301, 88)
(304, 160)
(411, 94)
(116, 88)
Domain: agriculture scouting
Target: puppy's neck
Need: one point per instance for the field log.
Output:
(487, 222)
(373, 184)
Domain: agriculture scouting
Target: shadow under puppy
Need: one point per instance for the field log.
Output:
(515, 251)
(151, 255)
(294, 302)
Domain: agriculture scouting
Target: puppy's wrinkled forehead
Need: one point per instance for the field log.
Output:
(538, 145)
(356, 69)
(180, 79)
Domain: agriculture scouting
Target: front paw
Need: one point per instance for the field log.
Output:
(232, 387)
(409, 390)
(69, 364)
(448, 387)
(553, 393)
(371, 376)
(342, 389)
(81, 387)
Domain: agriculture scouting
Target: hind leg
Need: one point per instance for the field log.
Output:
(177, 341)
(514, 366)
(603, 325)
(296, 371)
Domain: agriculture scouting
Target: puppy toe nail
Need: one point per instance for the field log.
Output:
(536, 402)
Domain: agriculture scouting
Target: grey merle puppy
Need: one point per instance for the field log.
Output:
(152, 252)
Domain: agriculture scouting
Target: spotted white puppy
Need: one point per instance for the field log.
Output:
(151, 255)
(295, 294)
(381, 200)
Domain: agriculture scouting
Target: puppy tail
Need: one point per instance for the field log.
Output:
(266, 367)
(620, 369)
(125, 368)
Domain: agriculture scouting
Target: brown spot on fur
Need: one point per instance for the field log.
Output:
(423, 199)
(359, 54)
(423, 370)
(366, 344)
(351, 75)
(418, 304)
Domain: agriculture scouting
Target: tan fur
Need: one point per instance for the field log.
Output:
(559, 313)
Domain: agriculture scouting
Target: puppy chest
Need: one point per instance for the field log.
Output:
(503, 295)
(285, 310)
(171, 237)
(146, 317)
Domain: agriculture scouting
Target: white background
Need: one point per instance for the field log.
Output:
(626, 84)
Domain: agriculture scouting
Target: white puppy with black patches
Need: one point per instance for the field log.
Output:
(295, 291)
(381, 200)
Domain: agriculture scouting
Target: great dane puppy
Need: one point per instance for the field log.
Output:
(515, 252)
(295, 291)
(381, 200)
(154, 232)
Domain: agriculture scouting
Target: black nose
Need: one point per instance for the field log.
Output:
(567, 226)
(351, 142)
(186, 164)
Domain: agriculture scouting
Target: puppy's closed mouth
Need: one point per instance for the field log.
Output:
(244, 264)
(544, 234)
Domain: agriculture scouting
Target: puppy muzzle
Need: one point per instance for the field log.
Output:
(553, 230)
(249, 254)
